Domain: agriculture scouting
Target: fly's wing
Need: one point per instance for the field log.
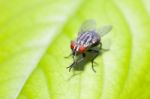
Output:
(88, 25)
(104, 30)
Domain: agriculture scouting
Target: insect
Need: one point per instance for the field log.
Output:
(88, 38)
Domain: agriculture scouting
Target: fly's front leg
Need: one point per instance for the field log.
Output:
(76, 62)
(68, 56)
(73, 57)
(70, 67)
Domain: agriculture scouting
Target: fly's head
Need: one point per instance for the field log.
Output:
(77, 48)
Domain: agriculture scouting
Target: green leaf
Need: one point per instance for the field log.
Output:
(35, 36)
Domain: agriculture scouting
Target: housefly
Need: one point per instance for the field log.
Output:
(88, 38)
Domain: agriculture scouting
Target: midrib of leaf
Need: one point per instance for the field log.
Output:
(73, 9)
(41, 53)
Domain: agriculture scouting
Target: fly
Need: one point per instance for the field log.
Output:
(88, 38)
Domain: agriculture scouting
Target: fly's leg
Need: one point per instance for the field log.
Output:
(68, 56)
(83, 55)
(70, 67)
(93, 66)
(97, 53)
(100, 45)
(76, 62)
(95, 63)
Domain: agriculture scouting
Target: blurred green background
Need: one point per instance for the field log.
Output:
(35, 36)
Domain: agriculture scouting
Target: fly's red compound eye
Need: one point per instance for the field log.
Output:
(82, 49)
(72, 45)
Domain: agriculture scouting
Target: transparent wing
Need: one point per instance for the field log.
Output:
(104, 30)
(88, 25)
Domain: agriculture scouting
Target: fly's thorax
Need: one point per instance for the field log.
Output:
(88, 39)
